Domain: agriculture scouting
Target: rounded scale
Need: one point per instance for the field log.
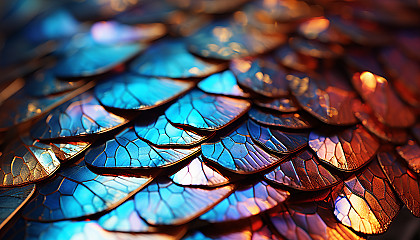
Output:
(131, 91)
(170, 58)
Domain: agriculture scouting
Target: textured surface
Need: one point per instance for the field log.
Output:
(209, 119)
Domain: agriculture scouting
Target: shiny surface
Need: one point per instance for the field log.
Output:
(310, 221)
(368, 119)
(276, 140)
(197, 173)
(284, 120)
(227, 39)
(130, 91)
(210, 106)
(81, 116)
(26, 108)
(165, 203)
(330, 101)
(315, 49)
(278, 104)
(69, 150)
(44, 83)
(85, 230)
(403, 180)
(246, 202)
(303, 172)
(170, 58)
(366, 202)
(346, 151)
(377, 92)
(223, 83)
(160, 132)
(78, 192)
(128, 151)
(261, 75)
(12, 200)
(204, 111)
(32, 40)
(94, 59)
(236, 152)
(252, 228)
(410, 152)
(25, 161)
(113, 32)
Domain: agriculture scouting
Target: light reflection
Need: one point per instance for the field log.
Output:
(223, 34)
(314, 27)
(368, 81)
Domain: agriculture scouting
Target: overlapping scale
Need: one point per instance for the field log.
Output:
(227, 39)
(66, 151)
(405, 73)
(38, 37)
(245, 202)
(262, 75)
(165, 203)
(128, 151)
(131, 91)
(170, 58)
(204, 111)
(12, 200)
(197, 173)
(85, 230)
(278, 104)
(160, 132)
(223, 83)
(310, 221)
(94, 59)
(368, 119)
(78, 192)
(410, 152)
(291, 59)
(125, 218)
(283, 120)
(347, 150)
(303, 172)
(276, 140)
(203, 153)
(44, 83)
(377, 92)
(253, 228)
(80, 116)
(329, 99)
(184, 24)
(320, 29)
(237, 152)
(113, 32)
(25, 161)
(27, 108)
(404, 180)
(366, 202)
(277, 12)
(209, 6)
(315, 49)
